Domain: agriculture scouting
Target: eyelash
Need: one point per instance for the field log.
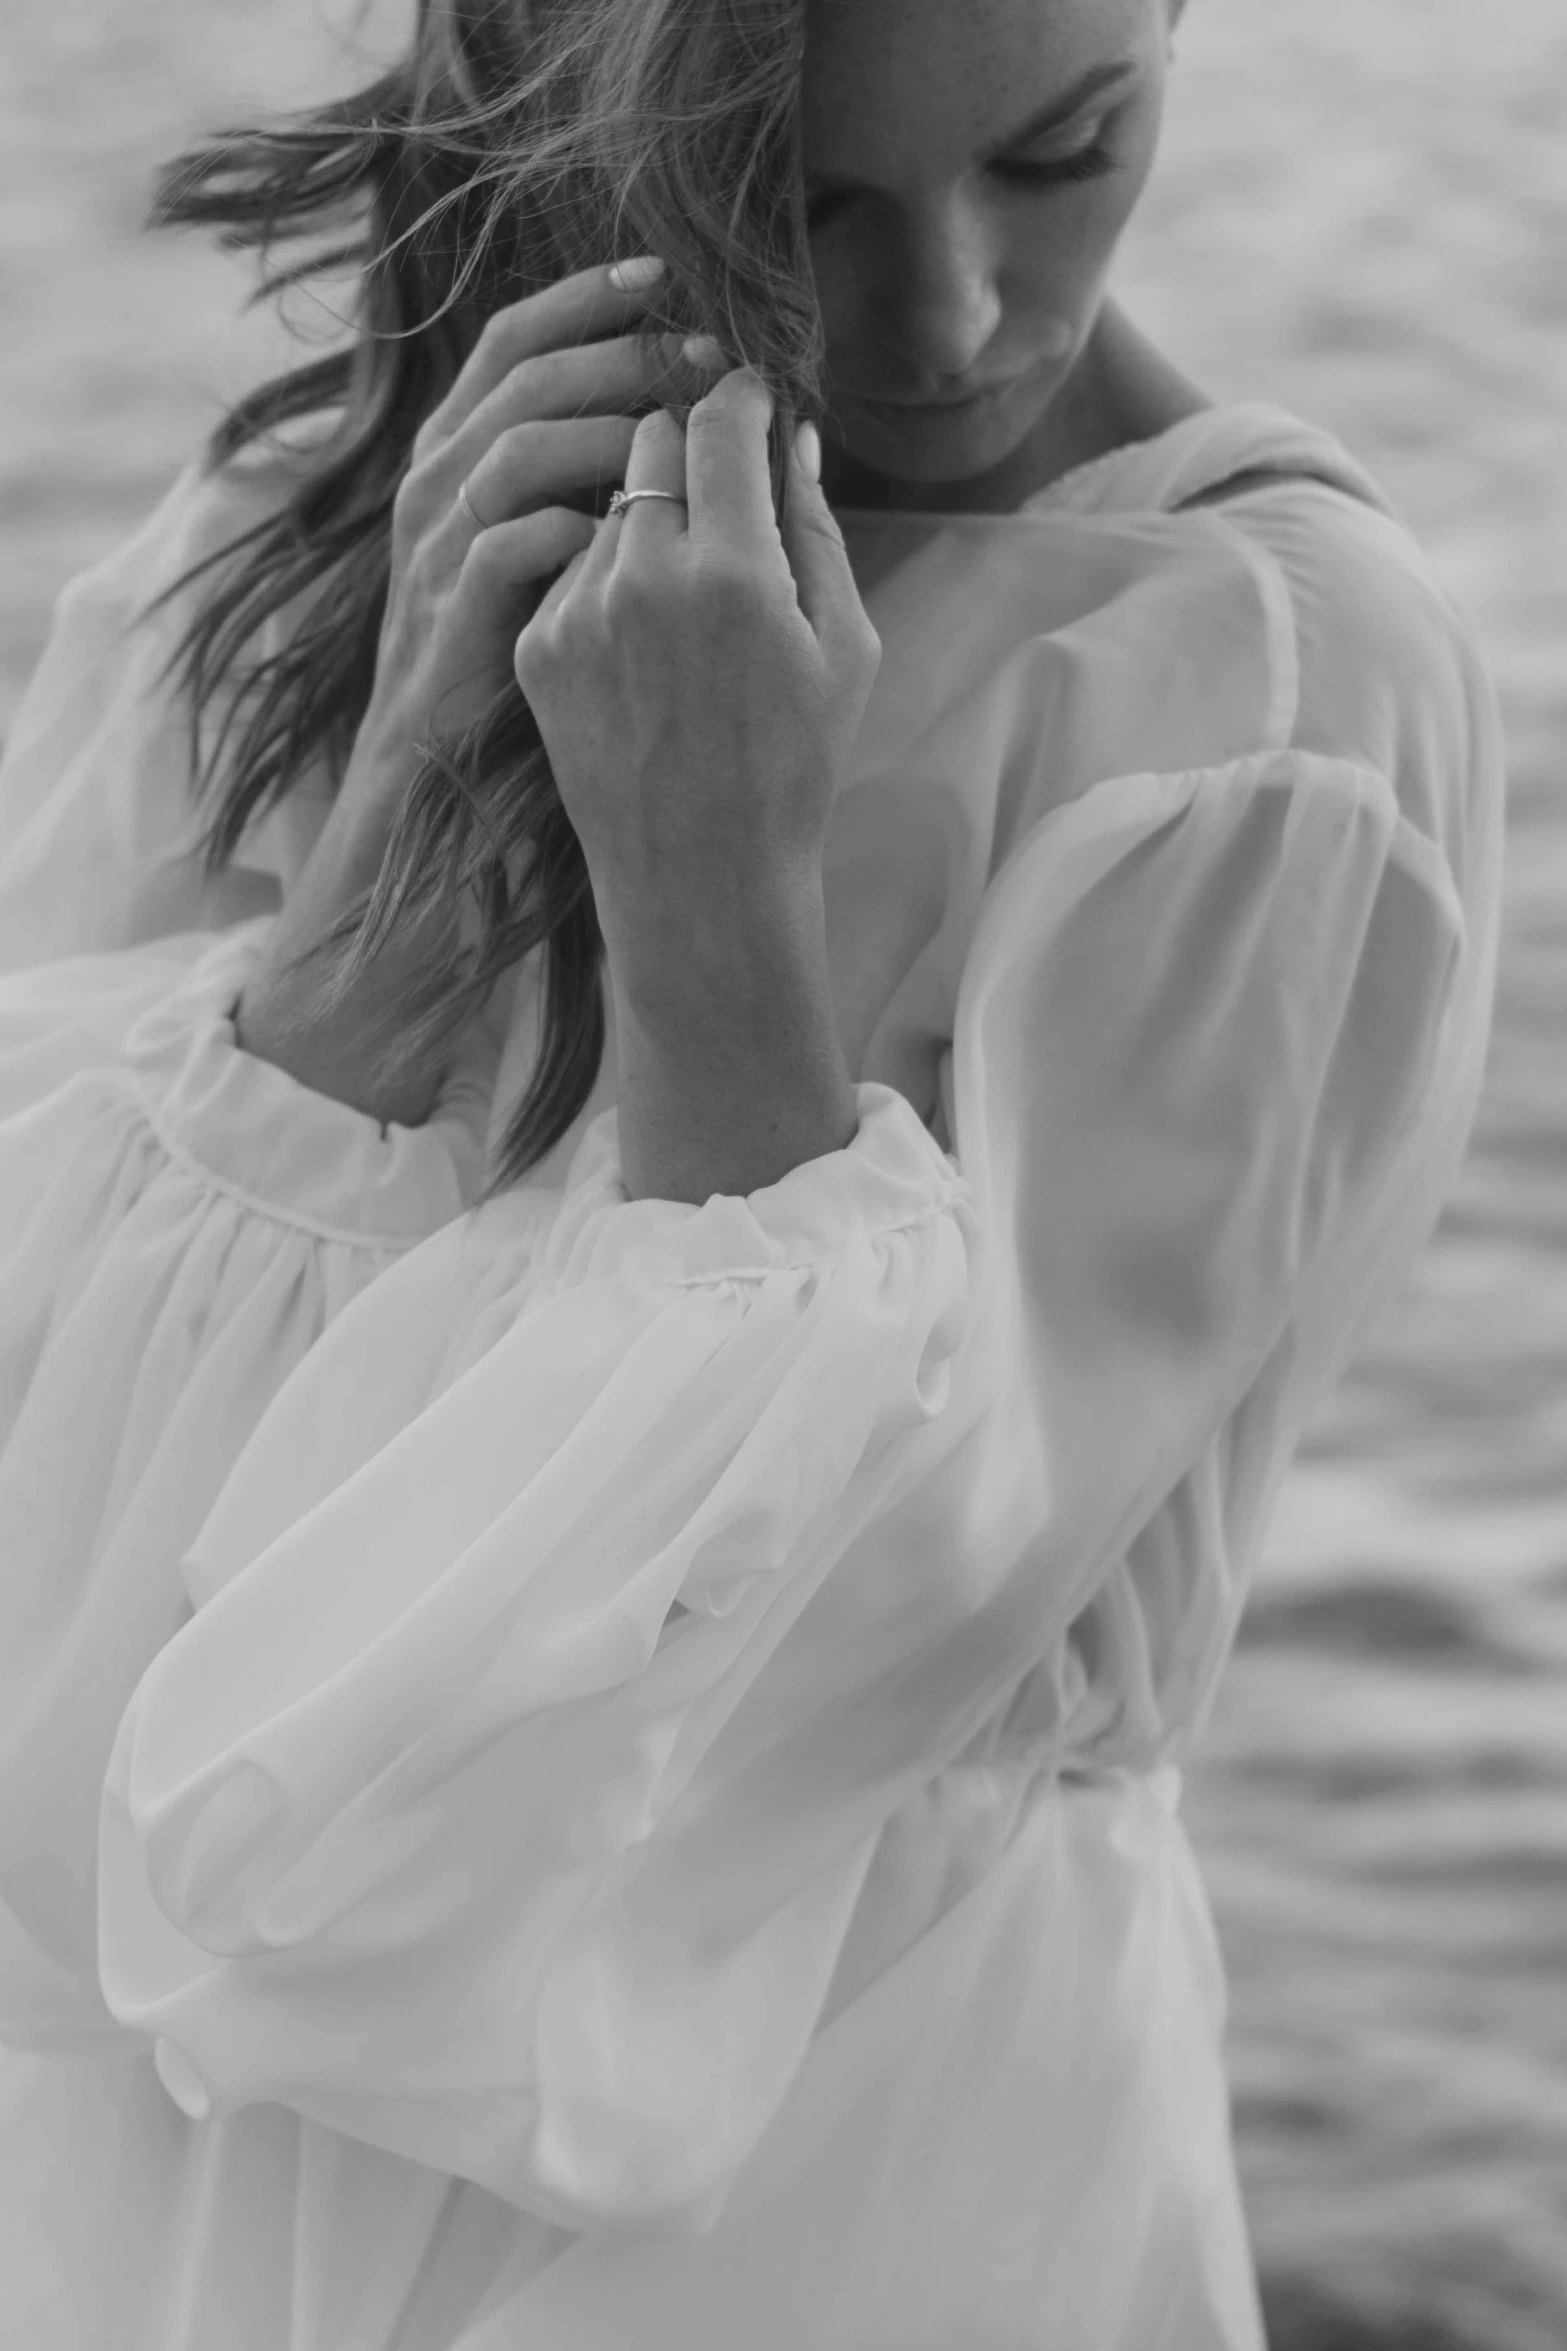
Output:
(1091, 163)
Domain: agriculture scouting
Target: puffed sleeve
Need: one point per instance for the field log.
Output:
(179, 1222)
(507, 1799)
(98, 823)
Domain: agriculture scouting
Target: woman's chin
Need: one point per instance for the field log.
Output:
(931, 447)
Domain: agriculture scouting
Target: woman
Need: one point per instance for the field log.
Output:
(655, 1298)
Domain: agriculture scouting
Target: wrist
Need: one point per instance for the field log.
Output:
(330, 1054)
(731, 1067)
(348, 1050)
(715, 962)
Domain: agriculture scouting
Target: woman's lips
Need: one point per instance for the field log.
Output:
(1050, 364)
(924, 408)
(934, 415)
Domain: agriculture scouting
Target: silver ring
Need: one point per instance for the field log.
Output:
(466, 504)
(624, 498)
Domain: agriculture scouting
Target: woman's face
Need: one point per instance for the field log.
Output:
(969, 168)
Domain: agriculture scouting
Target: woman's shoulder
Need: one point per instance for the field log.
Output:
(1251, 587)
(218, 498)
(275, 461)
(206, 509)
(1387, 669)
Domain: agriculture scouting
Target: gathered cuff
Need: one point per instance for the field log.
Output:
(280, 1146)
(891, 1175)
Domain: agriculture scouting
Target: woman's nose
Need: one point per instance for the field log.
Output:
(941, 304)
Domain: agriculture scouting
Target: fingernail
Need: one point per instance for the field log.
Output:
(808, 449)
(702, 351)
(629, 276)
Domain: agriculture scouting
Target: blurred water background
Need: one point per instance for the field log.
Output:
(1362, 213)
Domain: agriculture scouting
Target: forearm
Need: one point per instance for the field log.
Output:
(343, 1052)
(731, 1069)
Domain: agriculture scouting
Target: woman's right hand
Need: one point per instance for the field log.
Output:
(542, 408)
(546, 406)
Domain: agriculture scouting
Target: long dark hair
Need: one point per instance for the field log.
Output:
(516, 142)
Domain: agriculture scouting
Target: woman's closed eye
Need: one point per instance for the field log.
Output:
(1084, 163)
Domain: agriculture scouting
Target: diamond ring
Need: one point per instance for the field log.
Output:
(624, 498)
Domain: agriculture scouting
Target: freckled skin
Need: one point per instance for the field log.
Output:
(942, 269)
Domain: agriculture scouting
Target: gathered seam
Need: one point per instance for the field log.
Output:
(297, 1220)
(762, 1273)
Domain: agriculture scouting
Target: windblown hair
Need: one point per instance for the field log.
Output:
(517, 141)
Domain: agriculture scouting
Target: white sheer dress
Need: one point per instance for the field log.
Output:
(593, 1773)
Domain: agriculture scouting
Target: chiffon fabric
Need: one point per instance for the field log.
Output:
(579, 1772)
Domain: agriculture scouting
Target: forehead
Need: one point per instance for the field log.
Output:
(944, 77)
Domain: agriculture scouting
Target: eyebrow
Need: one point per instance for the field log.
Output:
(1051, 117)
(1069, 102)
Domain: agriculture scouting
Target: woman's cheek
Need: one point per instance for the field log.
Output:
(844, 325)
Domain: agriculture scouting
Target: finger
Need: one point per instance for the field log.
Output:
(658, 462)
(517, 557)
(578, 309)
(814, 543)
(629, 376)
(726, 465)
(533, 633)
(538, 464)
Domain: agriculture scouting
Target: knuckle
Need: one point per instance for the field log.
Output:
(858, 658)
(627, 592)
(543, 638)
(656, 431)
(410, 500)
(661, 358)
(717, 575)
(742, 387)
(534, 635)
(821, 523)
(496, 336)
(482, 558)
(560, 533)
(727, 592)
(810, 530)
(517, 450)
(544, 379)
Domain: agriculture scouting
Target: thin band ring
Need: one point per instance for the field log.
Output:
(624, 498)
(466, 503)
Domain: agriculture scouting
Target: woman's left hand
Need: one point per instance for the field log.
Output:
(698, 678)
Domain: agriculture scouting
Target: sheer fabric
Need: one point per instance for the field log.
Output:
(589, 1771)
